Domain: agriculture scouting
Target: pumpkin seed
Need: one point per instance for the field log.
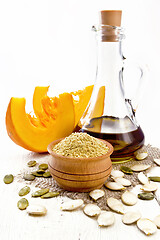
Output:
(96, 194)
(123, 181)
(8, 179)
(131, 217)
(36, 174)
(105, 219)
(31, 163)
(40, 171)
(40, 192)
(117, 174)
(141, 156)
(126, 170)
(91, 210)
(114, 186)
(24, 191)
(146, 196)
(149, 187)
(154, 179)
(28, 177)
(115, 205)
(43, 166)
(140, 167)
(22, 203)
(146, 226)
(36, 210)
(142, 178)
(50, 195)
(157, 161)
(47, 175)
(71, 205)
(129, 198)
(157, 221)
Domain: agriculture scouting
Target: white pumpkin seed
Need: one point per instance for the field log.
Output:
(141, 156)
(117, 173)
(131, 217)
(71, 205)
(140, 167)
(123, 181)
(114, 186)
(37, 210)
(149, 187)
(96, 194)
(129, 198)
(115, 205)
(105, 219)
(146, 226)
(91, 210)
(157, 221)
(142, 178)
(157, 161)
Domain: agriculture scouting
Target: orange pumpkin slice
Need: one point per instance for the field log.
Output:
(35, 133)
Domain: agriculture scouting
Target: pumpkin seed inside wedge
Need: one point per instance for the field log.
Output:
(22, 203)
(47, 175)
(31, 163)
(149, 187)
(129, 198)
(142, 178)
(131, 217)
(140, 167)
(71, 205)
(126, 170)
(157, 221)
(157, 161)
(43, 166)
(123, 181)
(114, 186)
(96, 194)
(146, 196)
(105, 219)
(146, 226)
(141, 156)
(91, 210)
(117, 173)
(154, 179)
(8, 179)
(40, 192)
(24, 191)
(28, 177)
(36, 174)
(115, 205)
(36, 210)
(50, 195)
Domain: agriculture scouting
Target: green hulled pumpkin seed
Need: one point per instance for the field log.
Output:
(126, 170)
(47, 175)
(50, 195)
(41, 171)
(154, 179)
(146, 196)
(28, 177)
(43, 166)
(36, 174)
(31, 163)
(22, 203)
(8, 178)
(24, 191)
(41, 192)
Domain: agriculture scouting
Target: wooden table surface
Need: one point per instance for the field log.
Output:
(18, 225)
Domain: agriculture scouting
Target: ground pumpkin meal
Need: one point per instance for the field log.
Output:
(80, 145)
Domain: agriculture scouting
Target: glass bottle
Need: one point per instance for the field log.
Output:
(109, 114)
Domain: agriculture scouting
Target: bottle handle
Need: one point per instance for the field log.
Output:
(136, 97)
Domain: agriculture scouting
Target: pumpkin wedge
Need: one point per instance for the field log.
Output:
(32, 133)
(80, 101)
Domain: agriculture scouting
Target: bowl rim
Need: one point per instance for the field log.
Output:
(50, 146)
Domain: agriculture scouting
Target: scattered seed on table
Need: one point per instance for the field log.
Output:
(91, 210)
(129, 198)
(115, 205)
(50, 195)
(146, 196)
(24, 191)
(40, 192)
(22, 203)
(114, 186)
(131, 217)
(40, 171)
(8, 179)
(47, 175)
(142, 178)
(36, 174)
(31, 163)
(146, 226)
(71, 205)
(28, 177)
(36, 210)
(141, 156)
(154, 179)
(105, 219)
(43, 166)
(126, 170)
(96, 194)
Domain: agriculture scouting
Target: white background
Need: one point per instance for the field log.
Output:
(51, 43)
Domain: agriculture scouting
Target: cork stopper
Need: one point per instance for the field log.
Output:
(111, 17)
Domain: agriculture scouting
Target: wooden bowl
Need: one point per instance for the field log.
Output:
(80, 174)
